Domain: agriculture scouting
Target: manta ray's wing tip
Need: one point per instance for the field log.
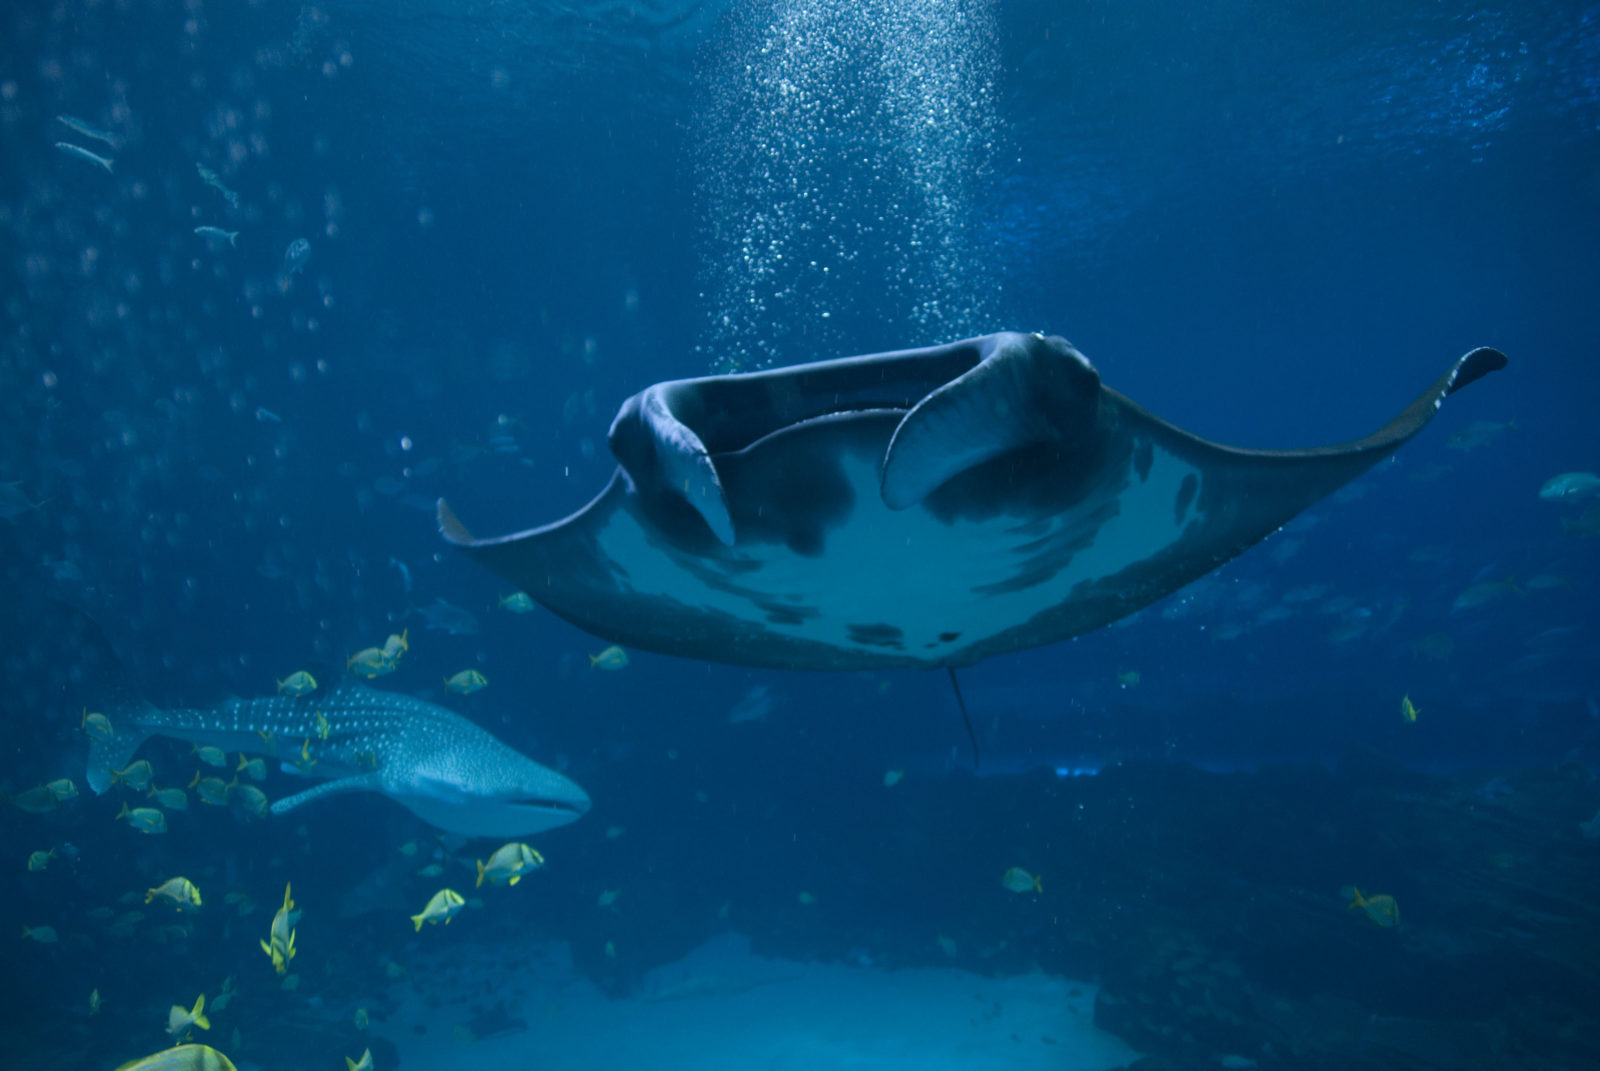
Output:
(450, 526)
(1475, 365)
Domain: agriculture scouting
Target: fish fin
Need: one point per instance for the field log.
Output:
(367, 782)
(514, 879)
(1026, 390)
(416, 920)
(108, 754)
(480, 875)
(1038, 884)
(662, 454)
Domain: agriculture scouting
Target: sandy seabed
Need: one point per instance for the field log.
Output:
(722, 1007)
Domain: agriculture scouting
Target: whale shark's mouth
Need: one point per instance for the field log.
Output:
(572, 810)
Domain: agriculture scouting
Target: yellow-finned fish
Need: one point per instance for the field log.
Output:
(442, 908)
(370, 662)
(466, 682)
(251, 799)
(40, 860)
(324, 729)
(212, 790)
(281, 947)
(144, 819)
(173, 799)
(612, 657)
(180, 891)
(180, 1022)
(363, 1064)
(517, 602)
(255, 769)
(225, 997)
(211, 756)
(62, 789)
(136, 776)
(508, 863)
(297, 684)
(44, 935)
(36, 800)
(1019, 880)
(395, 646)
(1381, 909)
(182, 1058)
(97, 726)
(1408, 710)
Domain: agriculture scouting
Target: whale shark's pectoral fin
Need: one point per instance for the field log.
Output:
(367, 782)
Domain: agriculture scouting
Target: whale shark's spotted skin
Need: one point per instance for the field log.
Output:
(435, 762)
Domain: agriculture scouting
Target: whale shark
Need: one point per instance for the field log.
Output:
(435, 763)
(921, 508)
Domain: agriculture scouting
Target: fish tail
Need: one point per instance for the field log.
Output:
(1038, 884)
(480, 875)
(108, 754)
(416, 920)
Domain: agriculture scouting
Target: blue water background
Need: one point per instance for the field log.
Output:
(1271, 224)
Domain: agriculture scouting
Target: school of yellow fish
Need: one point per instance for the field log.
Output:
(506, 866)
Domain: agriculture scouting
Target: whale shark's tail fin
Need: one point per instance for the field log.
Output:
(113, 750)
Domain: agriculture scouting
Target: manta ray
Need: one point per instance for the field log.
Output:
(920, 508)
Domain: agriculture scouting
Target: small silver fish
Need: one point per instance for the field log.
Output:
(209, 233)
(78, 126)
(295, 257)
(209, 177)
(84, 154)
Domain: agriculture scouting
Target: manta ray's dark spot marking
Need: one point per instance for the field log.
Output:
(877, 636)
(949, 637)
(1036, 481)
(1144, 457)
(1186, 493)
(779, 614)
(814, 497)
